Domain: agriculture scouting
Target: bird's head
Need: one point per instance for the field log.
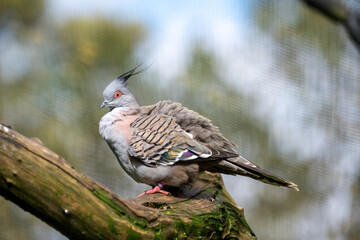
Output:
(117, 95)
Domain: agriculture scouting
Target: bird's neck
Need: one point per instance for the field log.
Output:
(115, 124)
(125, 111)
(134, 105)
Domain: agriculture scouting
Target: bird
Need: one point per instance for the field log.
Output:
(167, 144)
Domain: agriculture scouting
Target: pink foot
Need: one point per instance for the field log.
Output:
(156, 189)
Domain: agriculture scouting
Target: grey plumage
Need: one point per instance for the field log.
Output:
(169, 144)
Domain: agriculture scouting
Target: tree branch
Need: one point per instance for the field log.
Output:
(338, 12)
(44, 184)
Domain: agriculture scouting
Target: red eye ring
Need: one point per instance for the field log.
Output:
(117, 94)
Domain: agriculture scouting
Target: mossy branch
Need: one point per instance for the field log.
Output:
(44, 184)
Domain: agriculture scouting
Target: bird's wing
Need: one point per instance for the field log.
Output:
(224, 157)
(200, 127)
(159, 140)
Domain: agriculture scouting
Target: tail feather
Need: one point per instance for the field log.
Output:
(247, 168)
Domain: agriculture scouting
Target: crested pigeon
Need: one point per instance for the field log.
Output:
(166, 144)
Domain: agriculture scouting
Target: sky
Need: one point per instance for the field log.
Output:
(171, 27)
(145, 11)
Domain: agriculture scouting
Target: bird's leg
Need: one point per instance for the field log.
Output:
(157, 188)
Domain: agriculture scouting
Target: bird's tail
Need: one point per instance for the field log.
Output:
(247, 168)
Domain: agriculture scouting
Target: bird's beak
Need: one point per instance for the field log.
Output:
(104, 104)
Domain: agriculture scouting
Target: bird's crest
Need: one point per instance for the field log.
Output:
(125, 76)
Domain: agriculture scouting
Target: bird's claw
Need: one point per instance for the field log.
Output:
(156, 189)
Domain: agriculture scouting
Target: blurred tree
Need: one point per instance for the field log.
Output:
(339, 12)
(93, 44)
(315, 55)
(203, 88)
(65, 80)
(311, 28)
(58, 87)
(21, 15)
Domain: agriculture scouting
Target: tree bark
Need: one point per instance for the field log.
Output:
(44, 184)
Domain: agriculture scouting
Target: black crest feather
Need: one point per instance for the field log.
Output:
(125, 76)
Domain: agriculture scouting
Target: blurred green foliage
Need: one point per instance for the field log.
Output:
(300, 24)
(22, 14)
(56, 95)
(97, 43)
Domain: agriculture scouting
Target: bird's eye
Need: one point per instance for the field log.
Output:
(117, 94)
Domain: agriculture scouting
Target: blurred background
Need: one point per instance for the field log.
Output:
(279, 78)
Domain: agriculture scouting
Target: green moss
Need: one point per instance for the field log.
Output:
(158, 235)
(159, 232)
(132, 235)
(223, 223)
(104, 196)
(226, 222)
(111, 226)
(167, 212)
(59, 192)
